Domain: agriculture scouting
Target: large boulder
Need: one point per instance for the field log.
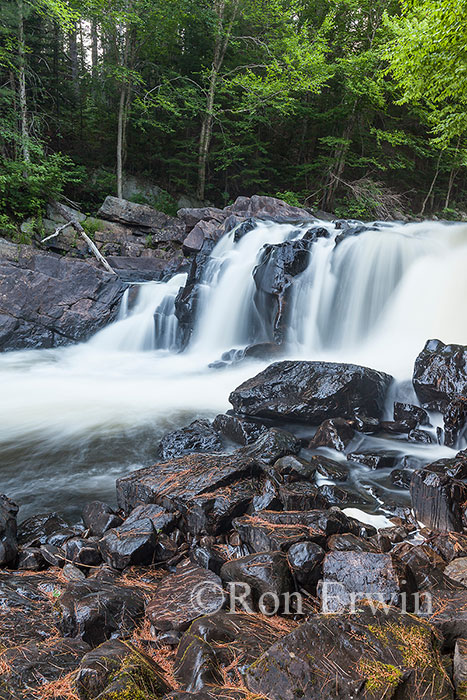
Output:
(47, 300)
(199, 436)
(440, 373)
(312, 392)
(8, 528)
(144, 217)
(263, 207)
(373, 654)
(438, 500)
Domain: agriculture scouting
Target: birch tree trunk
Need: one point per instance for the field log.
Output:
(23, 105)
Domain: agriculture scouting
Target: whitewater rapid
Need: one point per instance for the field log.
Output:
(73, 419)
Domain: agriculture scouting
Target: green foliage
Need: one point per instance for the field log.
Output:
(292, 198)
(164, 202)
(26, 187)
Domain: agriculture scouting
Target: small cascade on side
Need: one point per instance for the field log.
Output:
(150, 324)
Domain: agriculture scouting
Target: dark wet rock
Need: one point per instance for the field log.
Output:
(85, 554)
(48, 300)
(421, 436)
(271, 446)
(316, 232)
(263, 207)
(460, 668)
(426, 567)
(305, 560)
(329, 468)
(375, 460)
(440, 373)
(311, 392)
(199, 436)
(72, 573)
(456, 467)
(293, 468)
(98, 665)
(243, 228)
(264, 573)
(31, 559)
(273, 276)
(32, 666)
(95, 611)
(455, 419)
(263, 351)
(457, 570)
(8, 530)
(450, 545)
(365, 424)
(39, 529)
(174, 483)
(351, 228)
(182, 597)
(222, 643)
(438, 501)
(130, 544)
(336, 496)
(267, 499)
(210, 557)
(401, 477)
(162, 520)
(53, 556)
(407, 413)
(26, 613)
(397, 428)
(301, 495)
(372, 654)
(447, 611)
(213, 512)
(335, 432)
(98, 517)
(238, 429)
(353, 576)
(348, 542)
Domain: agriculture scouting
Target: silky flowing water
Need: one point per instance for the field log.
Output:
(74, 419)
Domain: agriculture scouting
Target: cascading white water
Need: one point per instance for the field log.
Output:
(68, 415)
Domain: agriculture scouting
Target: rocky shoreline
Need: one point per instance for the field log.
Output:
(228, 571)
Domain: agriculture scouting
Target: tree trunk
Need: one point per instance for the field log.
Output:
(23, 105)
(94, 49)
(73, 43)
(337, 169)
(120, 141)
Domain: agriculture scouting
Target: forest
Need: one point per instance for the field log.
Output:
(355, 107)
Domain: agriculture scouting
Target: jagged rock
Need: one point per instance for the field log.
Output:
(450, 545)
(336, 496)
(37, 529)
(199, 436)
(26, 612)
(8, 529)
(191, 217)
(456, 467)
(31, 559)
(301, 496)
(264, 573)
(263, 207)
(52, 555)
(350, 543)
(401, 477)
(143, 217)
(271, 446)
(335, 432)
(372, 654)
(404, 412)
(440, 373)
(98, 665)
(457, 570)
(447, 611)
(37, 663)
(72, 573)
(311, 391)
(365, 424)
(84, 554)
(98, 517)
(273, 275)
(222, 643)
(438, 501)
(95, 611)
(460, 668)
(238, 429)
(174, 483)
(353, 576)
(48, 300)
(425, 565)
(455, 420)
(329, 468)
(394, 428)
(202, 231)
(210, 557)
(182, 597)
(305, 560)
(375, 460)
(422, 436)
(292, 468)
